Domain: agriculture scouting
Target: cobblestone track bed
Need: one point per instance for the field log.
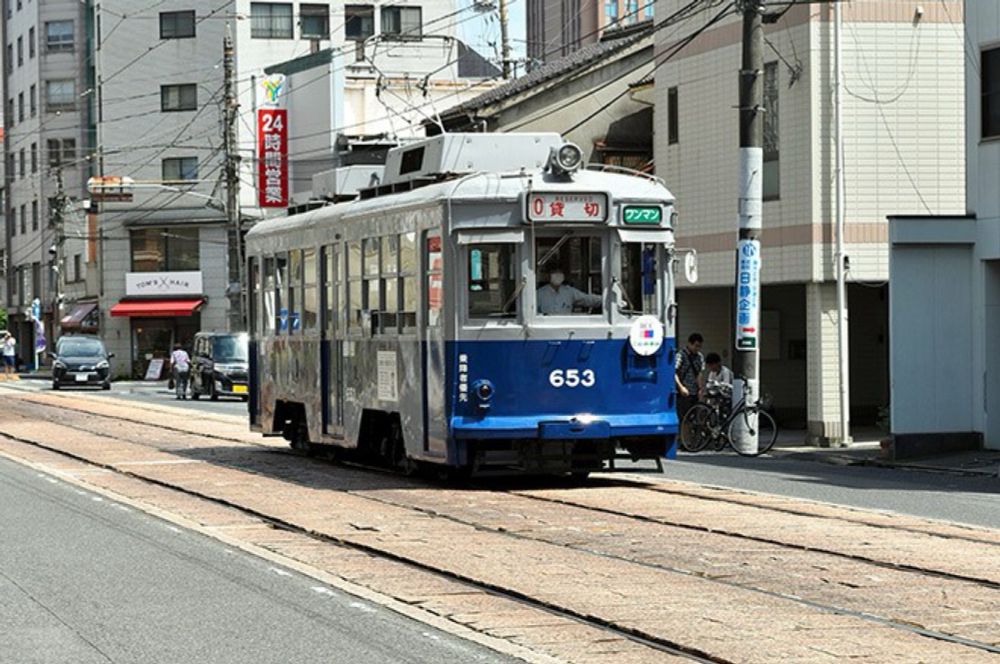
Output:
(367, 527)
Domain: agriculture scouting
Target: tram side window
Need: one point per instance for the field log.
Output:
(355, 305)
(270, 316)
(435, 279)
(372, 301)
(339, 280)
(310, 302)
(408, 280)
(253, 300)
(280, 297)
(492, 271)
(569, 274)
(390, 283)
(638, 278)
(294, 291)
(328, 279)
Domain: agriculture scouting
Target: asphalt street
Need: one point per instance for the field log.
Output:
(84, 580)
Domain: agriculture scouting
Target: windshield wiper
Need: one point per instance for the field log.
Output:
(513, 297)
(551, 252)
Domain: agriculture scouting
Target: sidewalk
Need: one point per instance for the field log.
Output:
(868, 449)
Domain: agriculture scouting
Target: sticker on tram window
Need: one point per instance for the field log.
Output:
(642, 214)
(575, 207)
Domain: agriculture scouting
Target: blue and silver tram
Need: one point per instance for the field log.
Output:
(489, 306)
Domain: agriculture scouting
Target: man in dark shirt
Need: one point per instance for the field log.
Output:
(687, 371)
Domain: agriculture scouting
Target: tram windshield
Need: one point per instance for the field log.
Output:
(638, 285)
(569, 275)
(492, 281)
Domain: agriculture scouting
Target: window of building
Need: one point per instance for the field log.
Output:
(271, 20)
(647, 9)
(772, 187)
(359, 22)
(165, 249)
(69, 150)
(631, 11)
(59, 36)
(182, 97)
(33, 100)
(61, 152)
(34, 215)
(991, 92)
(10, 113)
(34, 157)
(673, 124)
(24, 218)
(20, 107)
(10, 58)
(315, 21)
(402, 22)
(60, 94)
(177, 25)
(77, 268)
(610, 12)
(31, 42)
(22, 163)
(20, 51)
(180, 169)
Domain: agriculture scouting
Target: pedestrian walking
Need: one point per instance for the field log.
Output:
(181, 363)
(688, 366)
(9, 345)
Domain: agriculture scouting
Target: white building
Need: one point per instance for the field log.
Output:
(904, 153)
(945, 288)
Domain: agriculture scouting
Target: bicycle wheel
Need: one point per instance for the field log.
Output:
(767, 431)
(695, 428)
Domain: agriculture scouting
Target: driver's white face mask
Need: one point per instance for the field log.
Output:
(557, 278)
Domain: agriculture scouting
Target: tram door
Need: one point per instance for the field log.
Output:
(332, 388)
(433, 351)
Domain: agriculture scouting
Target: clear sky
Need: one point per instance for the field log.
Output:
(481, 30)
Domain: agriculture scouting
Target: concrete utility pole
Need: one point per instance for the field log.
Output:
(746, 358)
(237, 287)
(504, 40)
(841, 266)
(58, 250)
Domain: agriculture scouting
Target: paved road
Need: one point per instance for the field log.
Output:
(962, 499)
(86, 580)
(142, 392)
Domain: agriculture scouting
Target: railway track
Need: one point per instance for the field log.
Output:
(647, 639)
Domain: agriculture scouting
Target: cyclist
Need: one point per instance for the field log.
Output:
(717, 375)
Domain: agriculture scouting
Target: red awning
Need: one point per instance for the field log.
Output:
(157, 308)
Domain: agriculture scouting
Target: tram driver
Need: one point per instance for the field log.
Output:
(559, 298)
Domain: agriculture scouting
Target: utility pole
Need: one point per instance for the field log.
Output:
(504, 40)
(841, 266)
(58, 250)
(237, 287)
(746, 358)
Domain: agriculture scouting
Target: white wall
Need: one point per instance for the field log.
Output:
(931, 322)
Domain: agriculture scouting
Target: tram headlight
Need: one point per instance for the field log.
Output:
(566, 158)
(483, 389)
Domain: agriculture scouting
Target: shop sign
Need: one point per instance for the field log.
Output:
(139, 284)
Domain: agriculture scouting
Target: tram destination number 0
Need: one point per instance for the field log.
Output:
(572, 378)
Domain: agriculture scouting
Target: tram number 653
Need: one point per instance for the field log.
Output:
(572, 378)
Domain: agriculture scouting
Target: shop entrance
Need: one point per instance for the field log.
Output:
(154, 338)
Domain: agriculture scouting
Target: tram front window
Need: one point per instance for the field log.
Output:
(638, 294)
(570, 279)
(492, 281)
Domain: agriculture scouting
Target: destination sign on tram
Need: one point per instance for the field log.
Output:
(555, 207)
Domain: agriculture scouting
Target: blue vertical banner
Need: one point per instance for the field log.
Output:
(748, 295)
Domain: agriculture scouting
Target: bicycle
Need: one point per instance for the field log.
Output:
(709, 423)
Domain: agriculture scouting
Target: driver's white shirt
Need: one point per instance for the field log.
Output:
(555, 302)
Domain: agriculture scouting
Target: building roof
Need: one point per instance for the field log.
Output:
(611, 43)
